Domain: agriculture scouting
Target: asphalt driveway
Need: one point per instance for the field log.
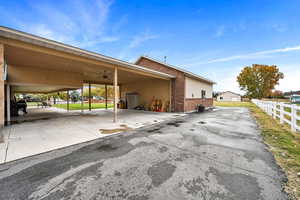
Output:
(214, 155)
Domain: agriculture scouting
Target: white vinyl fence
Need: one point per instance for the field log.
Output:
(286, 113)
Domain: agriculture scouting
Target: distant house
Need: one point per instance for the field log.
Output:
(229, 96)
(294, 96)
(291, 93)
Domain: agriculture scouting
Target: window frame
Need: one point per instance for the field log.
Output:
(203, 94)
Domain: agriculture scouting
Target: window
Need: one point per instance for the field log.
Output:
(203, 93)
(221, 98)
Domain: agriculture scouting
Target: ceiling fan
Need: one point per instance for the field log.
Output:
(105, 76)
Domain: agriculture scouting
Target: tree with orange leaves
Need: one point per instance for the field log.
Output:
(259, 80)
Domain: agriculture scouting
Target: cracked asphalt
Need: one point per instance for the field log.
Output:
(213, 155)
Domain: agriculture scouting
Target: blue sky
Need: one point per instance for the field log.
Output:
(213, 38)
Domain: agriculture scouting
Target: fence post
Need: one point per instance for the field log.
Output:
(281, 112)
(293, 117)
(274, 110)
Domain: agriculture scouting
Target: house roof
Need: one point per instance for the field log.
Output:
(9, 33)
(230, 92)
(292, 92)
(187, 73)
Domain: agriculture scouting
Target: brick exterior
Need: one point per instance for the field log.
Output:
(191, 104)
(179, 102)
(178, 84)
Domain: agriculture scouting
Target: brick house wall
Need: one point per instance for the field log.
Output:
(193, 96)
(178, 84)
(179, 102)
(191, 103)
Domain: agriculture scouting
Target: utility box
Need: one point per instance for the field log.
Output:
(132, 100)
(200, 108)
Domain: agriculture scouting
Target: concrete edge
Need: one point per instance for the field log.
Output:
(91, 141)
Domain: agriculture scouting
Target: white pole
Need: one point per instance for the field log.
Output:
(68, 103)
(106, 96)
(82, 99)
(115, 94)
(293, 117)
(281, 113)
(274, 110)
(170, 95)
(8, 104)
(90, 103)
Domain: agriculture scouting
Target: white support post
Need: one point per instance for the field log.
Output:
(170, 96)
(68, 99)
(281, 113)
(106, 96)
(2, 89)
(293, 117)
(8, 104)
(90, 101)
(270, 109)
(266, 107)
(274, 110)
(115, 94)
(82, 99)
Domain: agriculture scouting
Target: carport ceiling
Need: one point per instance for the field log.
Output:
(38, 89)
(23, 57)
(94, 73)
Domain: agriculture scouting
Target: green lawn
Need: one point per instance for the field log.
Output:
(32, 103)
(232, 104)
(284, 144)
(77, 106)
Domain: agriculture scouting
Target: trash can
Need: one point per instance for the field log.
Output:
(200, 108)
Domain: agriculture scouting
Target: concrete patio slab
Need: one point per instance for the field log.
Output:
(60, 129)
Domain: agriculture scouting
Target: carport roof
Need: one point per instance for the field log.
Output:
(187, 73)
(43, 42)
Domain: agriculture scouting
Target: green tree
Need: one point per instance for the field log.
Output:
(62, 95)
(98, 91)
(74, 96)
(259, 80)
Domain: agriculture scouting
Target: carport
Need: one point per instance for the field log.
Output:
(31, 64)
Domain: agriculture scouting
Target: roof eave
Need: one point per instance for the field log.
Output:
(190, 74)
(37, 40)
(200, 78)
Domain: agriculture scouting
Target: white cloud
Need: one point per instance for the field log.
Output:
(280, 27)
(109, 39)
(43, 31)
(226, 79)
(291, 77)
(220, 31)
(122, 21)
(139, 39)
(85, 25)
(92, 15)
(250, 55)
